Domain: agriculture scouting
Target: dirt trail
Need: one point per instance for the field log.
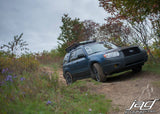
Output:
(125, 88)
(51, 71)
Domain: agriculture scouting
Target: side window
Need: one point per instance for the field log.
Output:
(73, 56)
(79, 52)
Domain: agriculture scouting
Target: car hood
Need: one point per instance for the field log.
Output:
(112, 50)
(120, 48)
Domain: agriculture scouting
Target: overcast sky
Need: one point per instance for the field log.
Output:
(40, 20)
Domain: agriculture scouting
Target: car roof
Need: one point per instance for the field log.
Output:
(75, 45)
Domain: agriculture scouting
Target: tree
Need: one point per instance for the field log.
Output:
(142, 31)
(116, 32)
(91, 29)
(135, 10)
(143, 17)
(71, 31)
(17, 44)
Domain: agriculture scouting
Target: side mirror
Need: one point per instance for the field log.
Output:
(81, 55)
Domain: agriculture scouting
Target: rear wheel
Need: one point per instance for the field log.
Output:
(69, 79)
(98, 72)
(137, 69)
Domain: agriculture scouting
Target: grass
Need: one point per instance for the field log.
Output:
(55, 66)
(90, 80)
(155, 68)
(85, 102)
(37, 93)
(156, 83)
(116, 109)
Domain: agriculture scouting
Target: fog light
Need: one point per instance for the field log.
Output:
(116, 65)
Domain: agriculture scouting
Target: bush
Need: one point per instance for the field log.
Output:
(19, 65)
(51, 57)
(156, 53)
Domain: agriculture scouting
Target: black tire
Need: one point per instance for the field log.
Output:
(137, 69)
(98, 72)
(93, 76)
(69, 79)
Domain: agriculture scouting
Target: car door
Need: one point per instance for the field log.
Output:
(72, 66)
(82, 68)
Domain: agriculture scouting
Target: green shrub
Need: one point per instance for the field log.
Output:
(19, 65)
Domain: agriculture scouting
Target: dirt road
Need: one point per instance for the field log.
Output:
(124, 89)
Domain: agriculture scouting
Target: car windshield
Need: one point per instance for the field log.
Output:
(110, 45)
(98, 47)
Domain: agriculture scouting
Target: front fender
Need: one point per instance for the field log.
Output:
(96, 59)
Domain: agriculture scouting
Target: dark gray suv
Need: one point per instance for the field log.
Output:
(99, 59)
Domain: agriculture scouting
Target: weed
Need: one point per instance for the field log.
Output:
(19, 65)
(152, 68)
(49, 58)
(36, 92)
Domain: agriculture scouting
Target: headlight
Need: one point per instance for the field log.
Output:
(111, 54)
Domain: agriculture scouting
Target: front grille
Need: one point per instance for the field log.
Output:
(131, 51)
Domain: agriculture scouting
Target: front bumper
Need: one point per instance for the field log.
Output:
(122, 63)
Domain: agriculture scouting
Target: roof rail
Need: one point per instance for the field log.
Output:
(74, 45)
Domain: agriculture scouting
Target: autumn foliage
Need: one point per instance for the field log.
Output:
(26, 63)
(71, 31)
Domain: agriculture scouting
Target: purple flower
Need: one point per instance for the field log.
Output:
(48, 102)
(23, 93)
(4, 70)
(22, 79)
(14, 76)
(9, 78)
(90, 110)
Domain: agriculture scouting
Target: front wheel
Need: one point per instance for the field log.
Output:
(98, 72)
(69, 79)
